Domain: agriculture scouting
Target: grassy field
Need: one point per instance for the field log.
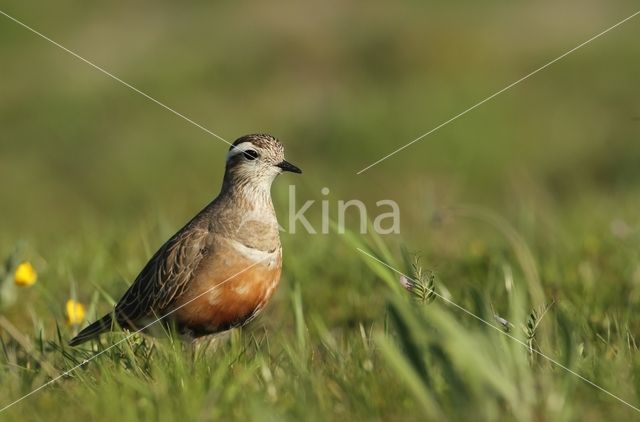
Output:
(524, 212)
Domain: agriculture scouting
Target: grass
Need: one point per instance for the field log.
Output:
(523, 212)
(401, 356)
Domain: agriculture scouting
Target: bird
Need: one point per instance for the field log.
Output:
(220, 269)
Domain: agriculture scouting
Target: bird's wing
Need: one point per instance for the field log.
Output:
(165, 277)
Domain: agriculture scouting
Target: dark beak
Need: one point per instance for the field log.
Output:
(287, 166)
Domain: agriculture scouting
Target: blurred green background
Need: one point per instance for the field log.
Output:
(340, 83)
(93, 176)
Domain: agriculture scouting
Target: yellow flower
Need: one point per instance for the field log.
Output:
(75, 312)
(25, 275)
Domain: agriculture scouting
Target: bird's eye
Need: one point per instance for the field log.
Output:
(250, 154)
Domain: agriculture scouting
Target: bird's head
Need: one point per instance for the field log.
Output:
(256, 159)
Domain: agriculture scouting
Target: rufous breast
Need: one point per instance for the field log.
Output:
(230, 288)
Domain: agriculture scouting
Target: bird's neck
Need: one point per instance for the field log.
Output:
(248, 215)
(244, 194)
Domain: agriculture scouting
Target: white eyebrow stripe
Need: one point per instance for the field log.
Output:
(239, 149)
